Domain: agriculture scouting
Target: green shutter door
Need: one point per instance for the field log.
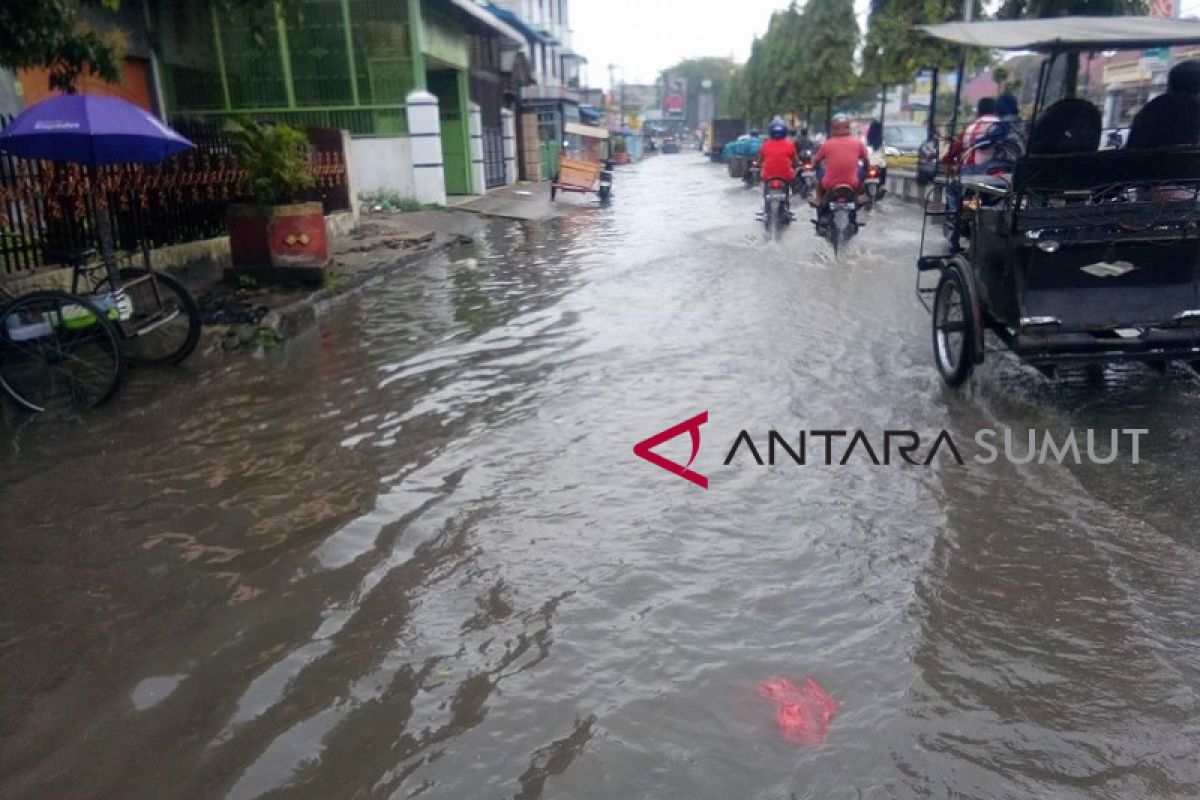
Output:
(455, 135)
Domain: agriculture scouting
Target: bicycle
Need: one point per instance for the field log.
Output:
(58, 348)
(159, 319)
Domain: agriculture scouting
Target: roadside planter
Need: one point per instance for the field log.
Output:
(276, 239)
(283, 244)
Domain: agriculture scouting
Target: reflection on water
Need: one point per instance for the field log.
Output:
(413, 556)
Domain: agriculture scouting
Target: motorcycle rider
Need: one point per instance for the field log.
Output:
(778, 155)
(875, 151)
(750, 148)
(804, 144)
(841, 154)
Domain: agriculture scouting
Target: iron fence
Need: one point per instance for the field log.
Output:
(48, 207)
(493, 157)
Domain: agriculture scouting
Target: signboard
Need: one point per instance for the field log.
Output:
(675, 97)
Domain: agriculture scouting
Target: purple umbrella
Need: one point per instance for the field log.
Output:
(90, 129)
(93, 130)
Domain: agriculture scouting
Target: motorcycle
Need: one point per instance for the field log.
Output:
(777, 210)
(874, 186)
(606, 182)
(837, 218)
(753, 174)
(805, 180)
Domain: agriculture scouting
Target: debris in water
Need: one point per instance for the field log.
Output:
(802, 712)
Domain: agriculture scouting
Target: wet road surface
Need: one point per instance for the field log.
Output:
(414, 556)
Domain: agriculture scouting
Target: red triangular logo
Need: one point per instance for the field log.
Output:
(645, 449)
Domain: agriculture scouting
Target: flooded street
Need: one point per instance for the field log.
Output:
(413, 554)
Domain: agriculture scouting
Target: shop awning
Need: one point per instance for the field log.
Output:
(515, 22)
(1069, 33)
(489, 19)
(585, 130)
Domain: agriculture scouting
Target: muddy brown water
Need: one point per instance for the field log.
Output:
(413, 555)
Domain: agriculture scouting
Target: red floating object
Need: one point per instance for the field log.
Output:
(802, 712)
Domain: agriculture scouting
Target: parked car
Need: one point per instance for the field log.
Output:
(904, 138)
(670, 145)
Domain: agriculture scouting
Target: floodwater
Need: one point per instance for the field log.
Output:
(413, 555)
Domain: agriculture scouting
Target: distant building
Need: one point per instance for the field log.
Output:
(552, 99)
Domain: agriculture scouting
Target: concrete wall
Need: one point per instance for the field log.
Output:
(382, 165)
(902, 183)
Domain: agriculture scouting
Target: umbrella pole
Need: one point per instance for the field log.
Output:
(104, 229)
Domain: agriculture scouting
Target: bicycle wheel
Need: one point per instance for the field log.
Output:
(58, 351)
(165, 326)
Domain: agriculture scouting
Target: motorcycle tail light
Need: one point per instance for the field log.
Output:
(873, 172)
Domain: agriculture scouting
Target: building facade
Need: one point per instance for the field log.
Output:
(355, 65)
(431, 91)
(551, 100)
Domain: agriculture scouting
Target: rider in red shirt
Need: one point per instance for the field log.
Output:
(778, 155)
(841, 154)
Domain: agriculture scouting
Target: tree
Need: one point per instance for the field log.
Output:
(828, 38)
(695, 71)
(51, 34)
(894, 52)
(732, 100)
(785, 60)
(754, 109)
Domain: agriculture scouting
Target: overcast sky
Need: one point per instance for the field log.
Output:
(646, 36)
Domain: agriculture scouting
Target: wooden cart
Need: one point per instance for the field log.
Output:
(592, 173)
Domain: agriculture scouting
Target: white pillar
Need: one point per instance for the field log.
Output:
(351, 173)
(425, 133)
(508, 127)
(475, 125)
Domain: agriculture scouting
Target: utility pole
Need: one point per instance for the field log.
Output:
(968, 15)
(612, 85)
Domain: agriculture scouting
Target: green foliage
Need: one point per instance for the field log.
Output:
(806, 58)
(275, 160)
(719, 70)
(893, 52)
(732, 101)
(828, 38)
(264, 339)
(51, 34)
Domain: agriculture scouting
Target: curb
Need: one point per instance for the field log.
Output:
(293, 320)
